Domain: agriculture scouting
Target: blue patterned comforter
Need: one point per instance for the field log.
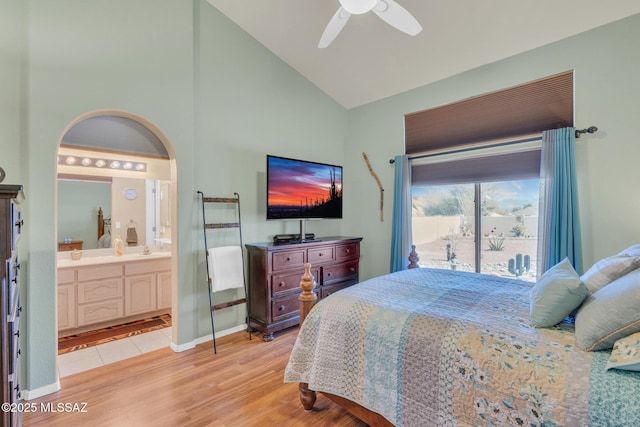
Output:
(436, 347)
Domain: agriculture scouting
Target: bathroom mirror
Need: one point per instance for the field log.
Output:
(116, 164)
(132, 203)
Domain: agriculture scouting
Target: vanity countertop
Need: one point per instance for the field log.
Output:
(86, 260)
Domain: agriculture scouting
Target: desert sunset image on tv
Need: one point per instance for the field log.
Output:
(300, 189)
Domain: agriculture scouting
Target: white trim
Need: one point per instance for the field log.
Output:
(42, 391)
(201, 340)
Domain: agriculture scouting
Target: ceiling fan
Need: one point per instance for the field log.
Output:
(388, 10)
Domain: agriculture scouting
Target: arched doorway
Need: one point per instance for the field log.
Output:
(122, 149)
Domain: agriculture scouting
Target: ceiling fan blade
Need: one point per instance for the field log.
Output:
(397, 16)
(335, 25)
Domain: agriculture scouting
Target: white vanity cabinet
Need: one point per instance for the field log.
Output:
(112, 293)
(163, 294)
(66, 299)
(100, 294)
(142, 283)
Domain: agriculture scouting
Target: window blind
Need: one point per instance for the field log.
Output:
(529, 108)
(496, 167)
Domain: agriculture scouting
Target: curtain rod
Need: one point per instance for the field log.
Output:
(591, 129)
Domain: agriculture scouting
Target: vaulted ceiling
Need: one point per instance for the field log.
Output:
(370, 60)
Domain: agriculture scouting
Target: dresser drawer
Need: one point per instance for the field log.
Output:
(282, 284)
(95, 273)
(66, 275)
(289, 259)
(100, 312)
(349, 251)
(100, 290)
(320, 255)
(325, 291)
(14, 345)
(339, 272)
(142, 267)
(284, 307)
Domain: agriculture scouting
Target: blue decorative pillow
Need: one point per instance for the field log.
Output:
(626, 354)
(610, 314)
(558, 292)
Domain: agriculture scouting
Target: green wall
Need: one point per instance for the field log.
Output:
(250, 103)
(606, 64)
(221, 99)
(12, 28)
(224, 102)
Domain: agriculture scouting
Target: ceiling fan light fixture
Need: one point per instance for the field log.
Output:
(358, 7)
(381, 6)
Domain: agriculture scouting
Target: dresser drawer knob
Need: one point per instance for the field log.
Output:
(320, 254)
(281, 284)
(352, 269)
(288, 259)
(329, 274)
(281, 308)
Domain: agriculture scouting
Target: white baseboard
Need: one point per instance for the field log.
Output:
(42, 391)
(188, 346)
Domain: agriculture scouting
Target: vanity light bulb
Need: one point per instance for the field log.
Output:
(127, 165)
(100, 163)
(70, 160)
(140, 167)
(86, 161)
(114, 164)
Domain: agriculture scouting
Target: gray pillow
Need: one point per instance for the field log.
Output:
(609, 314)
(558, 292)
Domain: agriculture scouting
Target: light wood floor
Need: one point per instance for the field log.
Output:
(242, 385)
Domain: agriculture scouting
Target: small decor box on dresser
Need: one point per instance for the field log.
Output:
(275, 271)
(10, 227)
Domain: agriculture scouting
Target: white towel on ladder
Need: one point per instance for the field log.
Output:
(225, 268)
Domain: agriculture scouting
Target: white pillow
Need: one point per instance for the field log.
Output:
(558, 292)
(611, 268)
(625, 354)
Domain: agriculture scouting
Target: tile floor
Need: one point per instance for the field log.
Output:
(103, 354)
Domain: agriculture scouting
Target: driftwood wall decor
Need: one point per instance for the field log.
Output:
(375, 176)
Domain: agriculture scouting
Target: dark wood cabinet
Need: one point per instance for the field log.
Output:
(10, 308)
(73, 245)
(275, 271)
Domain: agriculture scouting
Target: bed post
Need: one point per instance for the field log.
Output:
(100, 222)
(307, 300)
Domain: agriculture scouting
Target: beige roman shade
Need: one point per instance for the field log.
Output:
(526, 109)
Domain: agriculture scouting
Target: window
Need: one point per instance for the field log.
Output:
(475, 170)
(504, 240)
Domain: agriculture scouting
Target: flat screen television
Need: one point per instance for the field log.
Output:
(299, 189)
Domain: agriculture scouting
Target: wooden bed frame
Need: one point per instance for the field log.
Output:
(100, 223)
(307, 300)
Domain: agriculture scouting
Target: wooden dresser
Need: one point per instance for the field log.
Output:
(70, 245)
(274, 273)
(10, 308)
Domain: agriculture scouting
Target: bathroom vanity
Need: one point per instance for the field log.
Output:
(98, 291)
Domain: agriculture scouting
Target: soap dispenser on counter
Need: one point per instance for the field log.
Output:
(118, 245)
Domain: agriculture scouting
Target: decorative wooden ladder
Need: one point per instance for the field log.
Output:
(217, 226)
